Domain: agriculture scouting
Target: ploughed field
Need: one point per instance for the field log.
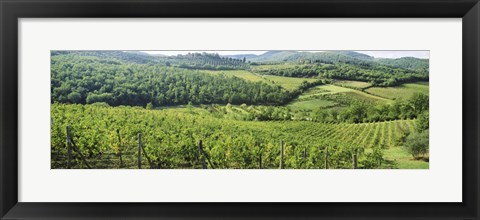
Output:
(170, 140)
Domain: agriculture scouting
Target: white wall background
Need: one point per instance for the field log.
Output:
(441, 183)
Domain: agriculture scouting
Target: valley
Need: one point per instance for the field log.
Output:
(281, 109)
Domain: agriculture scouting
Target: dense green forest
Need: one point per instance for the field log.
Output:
(85, 79)
(376, 75)
(344, 57)
(194, 60)
(410, 63)
(332, 109)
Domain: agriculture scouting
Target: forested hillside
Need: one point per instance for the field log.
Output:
(410, 63)
(127, 78)
(89, 79)
(377, 75)
(345, 65)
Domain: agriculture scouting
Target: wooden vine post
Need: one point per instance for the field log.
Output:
(139, 154)
(73, 146)
(120, 147)
(281, 154)
(146, 156)
(140, 149)
(259, 155)
(202, 157)
(69, 149)
(326, 157)
(354, 159)
(304, 158)
(260, 161)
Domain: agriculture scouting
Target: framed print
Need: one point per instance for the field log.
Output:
(225, 109)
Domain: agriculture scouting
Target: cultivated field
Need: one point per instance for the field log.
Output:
(228, 143)
(403, 91)
(353, 84)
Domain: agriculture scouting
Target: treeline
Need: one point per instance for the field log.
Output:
(327, 57)
(302, 71)
(344, 57)
(411, 63)
(360, 112)
(119, 56)
(207, 61)
(84, 79)
(377, 75)
(353, 112)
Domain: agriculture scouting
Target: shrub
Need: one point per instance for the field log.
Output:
(417, 144)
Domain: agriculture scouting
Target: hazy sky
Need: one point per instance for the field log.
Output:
(221, 52)
(377, 54)
(425, 54)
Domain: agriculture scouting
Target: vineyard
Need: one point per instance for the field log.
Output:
(190, 138)
(259, 110)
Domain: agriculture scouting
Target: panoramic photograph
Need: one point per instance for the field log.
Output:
(272, 109)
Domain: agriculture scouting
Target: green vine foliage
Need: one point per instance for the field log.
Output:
(170, 139)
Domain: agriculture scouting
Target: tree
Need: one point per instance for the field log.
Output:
(74, 97)
(105, 97)
(190, 107)
(417, 144)
(149, 106)
(419, 103)
(422, 122)
(356, 113)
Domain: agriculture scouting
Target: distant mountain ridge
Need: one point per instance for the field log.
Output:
(410, 63)
(355, 54)
(349, 57)
(274, 56)
(241, 56)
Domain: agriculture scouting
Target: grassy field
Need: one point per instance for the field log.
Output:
(242, 74)
(400, 92)
(332, 89)
(353, 84)
(311, 104)
(276, 66)
(324, 96)
(288, 83)
(401, 159)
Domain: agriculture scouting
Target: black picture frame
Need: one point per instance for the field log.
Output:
(12, 10)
